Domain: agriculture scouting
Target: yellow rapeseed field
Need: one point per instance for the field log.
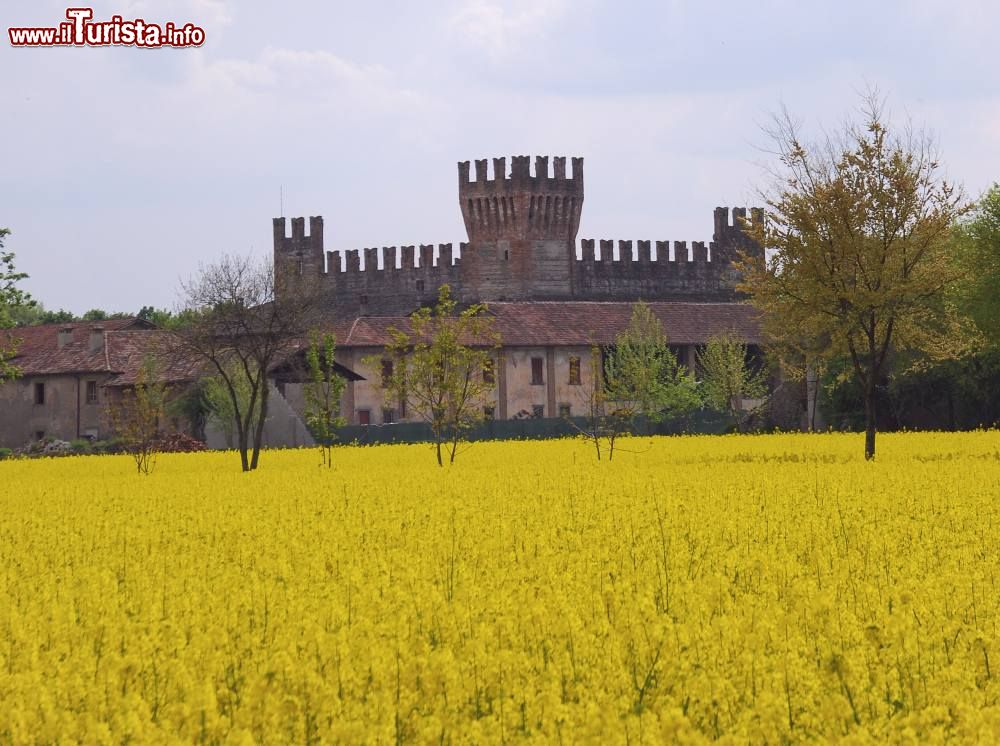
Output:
(760, 589)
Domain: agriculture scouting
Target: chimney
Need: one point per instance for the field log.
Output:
(96, 339)
(64, 337)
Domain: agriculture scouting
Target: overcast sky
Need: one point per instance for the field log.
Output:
(124, 168)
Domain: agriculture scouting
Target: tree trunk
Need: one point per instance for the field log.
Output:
(241, 440)
(870, 417)
(258, 435)
(438, 446)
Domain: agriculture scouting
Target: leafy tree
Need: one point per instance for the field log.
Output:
(322, 394)
(166, 319)
(242, 318)
(62, 316)
(219, 404)
(99, 314)
(136, 416)
(192, 405)
(437, 368)
(30, 315)
(642, 376)
(857, 231)
(728, 378)
(978, 248)
(12, 299)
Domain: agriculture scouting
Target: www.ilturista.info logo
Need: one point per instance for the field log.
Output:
(81, 31)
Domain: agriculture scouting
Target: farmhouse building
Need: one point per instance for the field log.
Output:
(72, 374)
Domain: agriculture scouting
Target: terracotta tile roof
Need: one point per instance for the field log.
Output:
(127, 342)
(541, 323)
(127, 351)
(39, 352)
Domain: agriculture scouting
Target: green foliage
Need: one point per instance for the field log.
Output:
(62, 316)
(12, 299)
(166, 319)
(437, 368)
(642, 376)
(977, 245)
(729, 378)
(99, 314)
(219, 391)
(5, 453)
(136, 417)
(322, 391)
(858, 234)
(602, 423)
(192, 405)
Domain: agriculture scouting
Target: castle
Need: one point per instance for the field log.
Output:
(522, 246)
(551, 299)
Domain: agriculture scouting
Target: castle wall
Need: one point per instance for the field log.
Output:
(688, 275)
(372, 291)
(522, 246)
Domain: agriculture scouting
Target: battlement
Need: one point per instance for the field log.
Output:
(522, 228)
(521, 205)
(520, 173)
(640, 252)
(386, 258)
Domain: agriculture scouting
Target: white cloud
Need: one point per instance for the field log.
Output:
(322, 75)
(213, 13)
(502, 27)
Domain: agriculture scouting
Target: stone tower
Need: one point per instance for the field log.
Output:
(522, 228)
(299, 255)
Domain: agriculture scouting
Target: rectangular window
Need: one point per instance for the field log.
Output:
(538, 411)
(564, 410)
(574, 371)
(91, 392)
(364, 417)
(39, 434)
(537, 366)
(489, 374)
(386, 372)
(489, 413)
(388, 416)
(39, 393)
(420, 286)
(364, 300)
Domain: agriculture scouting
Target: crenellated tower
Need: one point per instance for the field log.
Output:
(522, 228)
(299, 255)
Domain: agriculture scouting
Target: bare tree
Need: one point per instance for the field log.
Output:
(244, 319)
